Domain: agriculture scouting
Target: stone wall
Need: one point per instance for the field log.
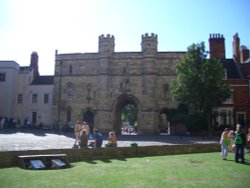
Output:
(9, 158)
(99, 79)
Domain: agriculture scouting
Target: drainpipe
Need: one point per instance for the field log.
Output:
(59, 94)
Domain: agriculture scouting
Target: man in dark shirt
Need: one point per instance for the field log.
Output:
(98, 138)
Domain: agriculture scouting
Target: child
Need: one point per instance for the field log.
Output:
(225, 142)
(232, 145)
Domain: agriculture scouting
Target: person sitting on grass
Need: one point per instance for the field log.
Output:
(112, 140)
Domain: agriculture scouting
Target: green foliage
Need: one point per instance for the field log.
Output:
(129, 113)
(199, 81)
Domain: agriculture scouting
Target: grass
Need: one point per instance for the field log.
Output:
(193, 170)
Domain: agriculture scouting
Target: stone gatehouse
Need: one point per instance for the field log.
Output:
(95, 87)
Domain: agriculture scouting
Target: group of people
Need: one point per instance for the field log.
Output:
(236, 142)
(84, 138)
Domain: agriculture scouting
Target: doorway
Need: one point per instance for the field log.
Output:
(126, 113)
(88, 117)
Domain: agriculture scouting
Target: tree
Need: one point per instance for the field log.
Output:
(129, 113)
(199, 82)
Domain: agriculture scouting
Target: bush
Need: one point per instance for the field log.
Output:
(180, 118)
(196, 122)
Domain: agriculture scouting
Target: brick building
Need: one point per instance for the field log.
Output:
(237, 108)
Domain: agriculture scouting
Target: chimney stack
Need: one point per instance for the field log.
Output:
(236, 48)
(34, 63)
(217, 46)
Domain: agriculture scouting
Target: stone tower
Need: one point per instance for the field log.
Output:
(149, 44)
(106, 45)
(217, 46)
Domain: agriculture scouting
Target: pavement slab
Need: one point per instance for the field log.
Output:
(16, 140)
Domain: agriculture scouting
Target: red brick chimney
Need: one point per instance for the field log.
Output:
(236, 48)
(217, 46)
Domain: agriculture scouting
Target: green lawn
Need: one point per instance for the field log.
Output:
(192, 170)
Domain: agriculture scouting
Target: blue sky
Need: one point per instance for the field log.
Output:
(71, 26)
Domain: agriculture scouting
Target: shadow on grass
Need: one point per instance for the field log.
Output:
(104, 160)
(90, 161)
(121, 159)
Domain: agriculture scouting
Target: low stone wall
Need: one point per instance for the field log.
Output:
(9, 158)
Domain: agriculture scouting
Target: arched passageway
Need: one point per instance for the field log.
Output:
(88, 116)
(164, 124)
(126, 115)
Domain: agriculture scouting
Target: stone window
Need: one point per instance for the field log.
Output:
(19, 98)
(2, 77)
(34, 98)
(46, 98)
(70, 90)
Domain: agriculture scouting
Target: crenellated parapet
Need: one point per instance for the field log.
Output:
(151, 36)
(106, 37)
(149, 44)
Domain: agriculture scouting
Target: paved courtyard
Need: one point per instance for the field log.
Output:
(14, 140)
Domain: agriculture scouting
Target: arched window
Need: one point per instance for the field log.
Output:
(70, 89)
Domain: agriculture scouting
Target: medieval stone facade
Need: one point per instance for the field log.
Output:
(94, 87)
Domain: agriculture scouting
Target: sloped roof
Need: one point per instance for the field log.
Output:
(232, 70)
(43, 80)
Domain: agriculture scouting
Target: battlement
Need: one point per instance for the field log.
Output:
(108, 36)
(151, 36)
(216, 36)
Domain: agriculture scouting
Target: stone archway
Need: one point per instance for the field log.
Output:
(88, 116)
(164, 124)
(119, 104)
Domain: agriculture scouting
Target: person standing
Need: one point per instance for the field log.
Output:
(231, 136)
(77, 131)
(248, 139)
(86, 127)
(240, 143)
(225, 143)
